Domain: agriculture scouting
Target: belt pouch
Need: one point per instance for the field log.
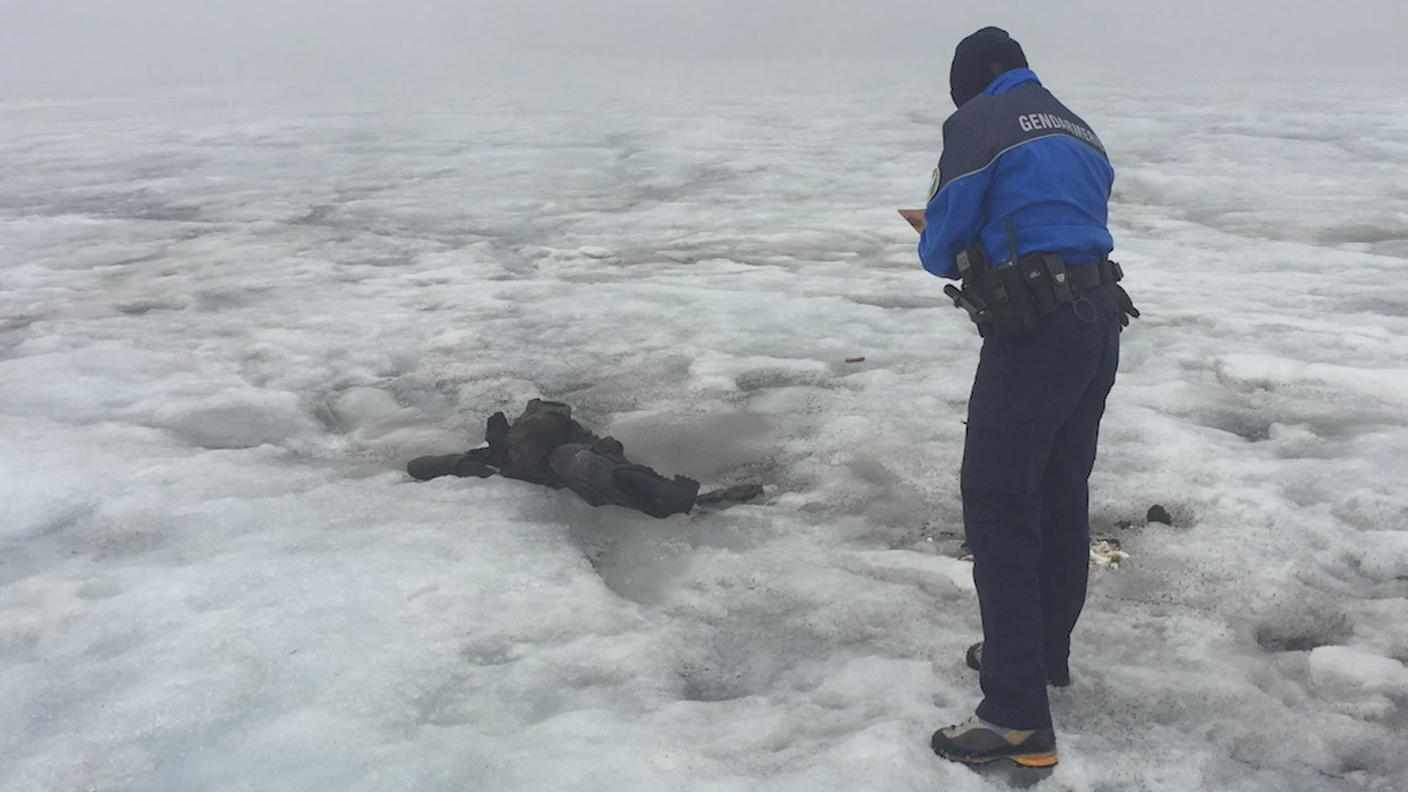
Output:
(1013, 311)
(1038, 282)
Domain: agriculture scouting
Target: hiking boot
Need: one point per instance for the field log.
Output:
(654, 494)
(975, 741)
(1056, 678)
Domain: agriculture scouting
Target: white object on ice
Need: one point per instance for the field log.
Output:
(1104, 555)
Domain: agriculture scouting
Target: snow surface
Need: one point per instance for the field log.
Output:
(229, 318)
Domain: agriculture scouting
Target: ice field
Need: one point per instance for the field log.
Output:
(228, 318)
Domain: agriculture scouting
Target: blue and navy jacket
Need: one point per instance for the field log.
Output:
(1016, 152)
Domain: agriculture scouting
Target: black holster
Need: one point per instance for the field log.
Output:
(973, 297)
(1005, 301)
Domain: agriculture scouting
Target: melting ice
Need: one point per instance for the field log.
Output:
(228, 319)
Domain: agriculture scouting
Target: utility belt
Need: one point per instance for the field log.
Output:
(1008, 301)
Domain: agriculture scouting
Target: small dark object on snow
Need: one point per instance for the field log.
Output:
(545, 446)
(1158, 514)
(855, 360)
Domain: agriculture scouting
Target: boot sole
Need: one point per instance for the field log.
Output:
(1038, 760)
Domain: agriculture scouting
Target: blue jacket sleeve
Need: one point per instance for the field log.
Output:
(952, 221)
(954, 215)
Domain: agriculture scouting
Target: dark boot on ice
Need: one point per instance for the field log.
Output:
(654, 494)
(975, 741)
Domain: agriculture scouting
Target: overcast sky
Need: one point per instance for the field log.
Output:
(97, 46)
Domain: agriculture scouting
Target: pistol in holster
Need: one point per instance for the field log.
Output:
(1003, 301)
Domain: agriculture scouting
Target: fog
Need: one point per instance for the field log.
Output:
(98, 47)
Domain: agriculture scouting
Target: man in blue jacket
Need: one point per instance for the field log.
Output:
(1018, 211)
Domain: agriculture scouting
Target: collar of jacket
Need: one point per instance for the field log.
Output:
(1010, 79)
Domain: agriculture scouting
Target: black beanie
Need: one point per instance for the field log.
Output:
(979, 59)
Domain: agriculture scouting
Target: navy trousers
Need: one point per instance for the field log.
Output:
(1033, 421)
